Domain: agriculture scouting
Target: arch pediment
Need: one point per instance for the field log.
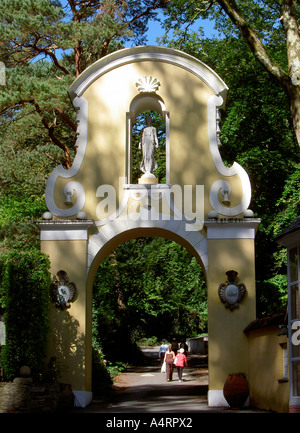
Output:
(150, 54)
(109, 95)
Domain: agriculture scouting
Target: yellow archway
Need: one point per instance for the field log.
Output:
(93, 207)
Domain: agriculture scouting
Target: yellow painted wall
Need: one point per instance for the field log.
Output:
(228, 345)
(70, 333)
(265, 369)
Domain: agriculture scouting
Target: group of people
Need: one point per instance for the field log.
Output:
(173, 355)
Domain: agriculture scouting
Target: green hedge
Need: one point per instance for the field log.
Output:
(24, 294)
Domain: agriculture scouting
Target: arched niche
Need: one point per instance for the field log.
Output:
(142, 102)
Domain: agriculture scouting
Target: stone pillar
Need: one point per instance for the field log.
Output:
(70, 330)
(230, 247)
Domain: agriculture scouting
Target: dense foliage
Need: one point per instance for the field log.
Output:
(267, 28)
(257, 132)
(24, 294)
(148, 287)
(45, 45)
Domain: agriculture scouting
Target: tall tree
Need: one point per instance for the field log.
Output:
(45, 45)
(263, 24)
(257, 132)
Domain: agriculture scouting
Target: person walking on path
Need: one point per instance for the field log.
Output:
(180, 362)
(162, 350)
(169, 360)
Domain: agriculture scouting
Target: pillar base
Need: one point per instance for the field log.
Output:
(148, 178)
(216, 399)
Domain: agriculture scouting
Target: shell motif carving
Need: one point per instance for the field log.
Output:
(147, 84)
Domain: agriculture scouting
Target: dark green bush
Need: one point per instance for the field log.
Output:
(24, 294)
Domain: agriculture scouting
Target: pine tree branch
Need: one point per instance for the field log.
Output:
(66, 118)
(55, 140)
(53, 159)
(48, 52)
(158, 4)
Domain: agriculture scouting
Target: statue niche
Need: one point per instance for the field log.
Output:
(147, 131)
(148, 145)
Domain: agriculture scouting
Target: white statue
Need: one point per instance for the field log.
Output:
(148, 141)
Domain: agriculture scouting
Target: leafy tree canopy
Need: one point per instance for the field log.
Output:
(265, 26)
(257, 132)
(44, 46)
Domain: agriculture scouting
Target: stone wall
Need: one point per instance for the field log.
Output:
(24, 396)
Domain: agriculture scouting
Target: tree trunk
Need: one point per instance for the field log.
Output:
(289, 22)
(78, 52)
(55, 140)
(294, 98)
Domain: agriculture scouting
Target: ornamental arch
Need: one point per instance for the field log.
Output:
(93, 206)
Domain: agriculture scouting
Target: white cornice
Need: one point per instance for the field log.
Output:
(232, 228)
(64, 230)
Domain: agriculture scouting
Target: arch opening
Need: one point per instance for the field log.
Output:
(194, 242)
(146, 288)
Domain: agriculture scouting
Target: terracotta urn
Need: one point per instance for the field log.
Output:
(236, 390)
